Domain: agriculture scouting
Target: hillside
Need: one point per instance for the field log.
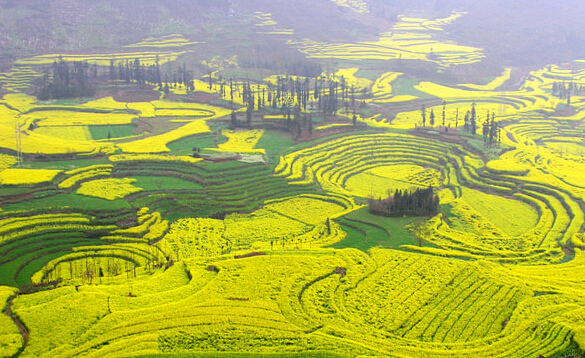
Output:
(291, 179)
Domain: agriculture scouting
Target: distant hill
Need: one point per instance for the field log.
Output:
(512, 32)
(535, 32)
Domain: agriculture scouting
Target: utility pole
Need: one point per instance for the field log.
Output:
(18, 145)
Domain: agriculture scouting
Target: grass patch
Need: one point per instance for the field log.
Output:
(155, 183)
(476, 143)
(371, 74)
(571, 351)
(115, 131)
(356, 237)
(70, 200)
(405, 86)
(67, 101)
(36, 264)
(185, 145)
(275, 143)
(65, 164)
(366, 230)
(36, 255)
(5, 191)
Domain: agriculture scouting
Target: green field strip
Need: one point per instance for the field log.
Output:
(34, 261)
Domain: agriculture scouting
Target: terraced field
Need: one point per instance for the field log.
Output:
(410, 39)
(103, 59)
(172, 228)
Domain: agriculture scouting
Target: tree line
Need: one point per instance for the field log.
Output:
(135, 71)
(296, 98)
(491, 130)
(329, 93)
(66, 81)
(565, 90)
(78, 78)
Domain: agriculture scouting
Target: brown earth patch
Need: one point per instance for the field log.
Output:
(136, 94)
(123, 92)
(250, 254)
(196, 97)
(567, 111)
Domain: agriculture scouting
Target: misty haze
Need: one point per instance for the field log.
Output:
(291, 179)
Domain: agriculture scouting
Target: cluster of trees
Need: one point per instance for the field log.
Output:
(420, 202)
(292, 96)
(470, 120)
(328, 93)
(66, 81)
(135, 71)
(423, 111)
(77, 79)
(95, 267)
(490, 128)
(565, 90)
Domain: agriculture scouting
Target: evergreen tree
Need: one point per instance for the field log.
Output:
(112, 70)
(234, 120)
(472, 119)
(432, 118)
(569, 98)
(157, 71)
(444, 104)
(127, 72)
(494, 128)
(137, 70)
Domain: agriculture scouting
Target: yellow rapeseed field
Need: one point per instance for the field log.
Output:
(74, 118)
(241, 141)
(6, 161)
(173, 40)
(381, 181)
(10, 337)
(411, 39)
(75, 133)
(17, 176)
(157, 143)
(494, 274)
(146, 58)
(152, 157)
(109, 189)
(494, 84)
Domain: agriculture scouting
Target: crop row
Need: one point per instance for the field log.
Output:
(313, 300)
(227, 189)
(559, 213)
